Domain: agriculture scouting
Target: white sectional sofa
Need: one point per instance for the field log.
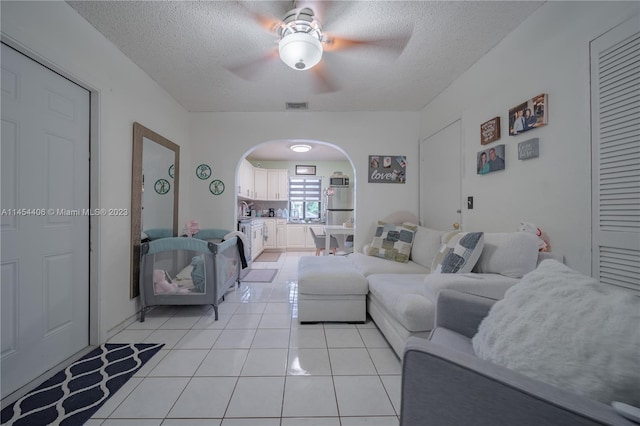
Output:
(402, 296)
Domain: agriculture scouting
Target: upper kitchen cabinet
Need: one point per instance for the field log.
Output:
(246, 184)
(261, 183)
(269, 184)
(278, 185)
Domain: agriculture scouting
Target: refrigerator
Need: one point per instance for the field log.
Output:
(339, 205)
(339, 210)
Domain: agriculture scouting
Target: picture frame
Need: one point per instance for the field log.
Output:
(490, 131)
(305, 170)
(387, 168)
(490, 160)
(528, 149)
(529, 115)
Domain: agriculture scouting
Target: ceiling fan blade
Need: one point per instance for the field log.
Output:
(251, 69)
(323, 83)
(266, 21)
(394, 45)
(319, 7)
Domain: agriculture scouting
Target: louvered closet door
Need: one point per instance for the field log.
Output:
(615, 94)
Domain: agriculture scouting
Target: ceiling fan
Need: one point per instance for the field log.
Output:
(302, 42)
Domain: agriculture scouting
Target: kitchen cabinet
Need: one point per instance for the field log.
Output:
(261, 183)
(270, 242)
(281, 233)
(276, 230)
(299, 236)
(278, 185)
(246, 184)
(257, 238)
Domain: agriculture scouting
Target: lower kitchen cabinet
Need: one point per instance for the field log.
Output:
(276, 237)
(257, 238)
(299, 236)
(281, 234)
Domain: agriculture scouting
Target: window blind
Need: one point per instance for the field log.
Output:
(305, 189)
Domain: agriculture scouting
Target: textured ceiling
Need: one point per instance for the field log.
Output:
(188, 48)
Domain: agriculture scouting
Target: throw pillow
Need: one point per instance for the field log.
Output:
(426, 244)
(392, 242)
(459, 254)
(568, 330)
(513, 254)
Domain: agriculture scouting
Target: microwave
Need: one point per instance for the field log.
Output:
(339, 181)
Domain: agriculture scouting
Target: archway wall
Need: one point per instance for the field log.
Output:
(222, 139)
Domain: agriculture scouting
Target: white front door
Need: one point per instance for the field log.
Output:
(44, 230)
(440, 179)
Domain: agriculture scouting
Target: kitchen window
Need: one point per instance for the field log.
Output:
(304, 198)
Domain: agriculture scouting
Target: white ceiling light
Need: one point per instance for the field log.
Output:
(300, 148)
(300, 51)
(300, 44)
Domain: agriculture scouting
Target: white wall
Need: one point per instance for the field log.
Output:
(548, 53)
(222, 139)
(53, 31)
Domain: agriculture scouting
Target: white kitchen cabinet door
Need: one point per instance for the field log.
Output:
(261, 183)
(281, 235)
(271, 241)
(296, 236)
(278, 185)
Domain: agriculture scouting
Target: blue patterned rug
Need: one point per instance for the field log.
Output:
(75, 393)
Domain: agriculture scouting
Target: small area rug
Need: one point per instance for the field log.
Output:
(75, 393)
(271, 256)
(260, 275)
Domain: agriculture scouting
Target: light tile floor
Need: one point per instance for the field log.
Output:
(257, 365)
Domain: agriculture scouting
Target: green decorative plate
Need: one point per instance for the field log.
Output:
(216, 187)
(172, 171)
(203, 171)
(162, 186)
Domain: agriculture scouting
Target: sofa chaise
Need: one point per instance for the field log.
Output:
(401, 295)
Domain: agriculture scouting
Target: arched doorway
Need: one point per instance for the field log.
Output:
(274, 164)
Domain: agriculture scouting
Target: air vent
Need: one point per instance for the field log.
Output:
(297, 105)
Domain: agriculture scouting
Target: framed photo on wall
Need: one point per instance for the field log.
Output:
(305, 170)
(528, 115)
(387, 168)
(491, 160)
(490, 131)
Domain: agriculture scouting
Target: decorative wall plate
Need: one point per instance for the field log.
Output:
(162, 186)
(203, 171)
(216, 187)
(172, 171)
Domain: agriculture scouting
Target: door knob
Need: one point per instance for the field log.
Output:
(456, 225)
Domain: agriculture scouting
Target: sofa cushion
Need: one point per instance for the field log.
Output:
(403, 298)
(492, 286)
(369, 265)
(330, 276)
(392, 242)
(568, 330)
(513, 254)
(459, 254)
(426, 244)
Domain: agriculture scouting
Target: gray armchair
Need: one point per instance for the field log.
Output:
(444, 383)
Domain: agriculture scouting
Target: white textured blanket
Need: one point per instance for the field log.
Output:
(568, 330)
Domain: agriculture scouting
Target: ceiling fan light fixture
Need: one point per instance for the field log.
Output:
(300, 50)
(300, 148)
